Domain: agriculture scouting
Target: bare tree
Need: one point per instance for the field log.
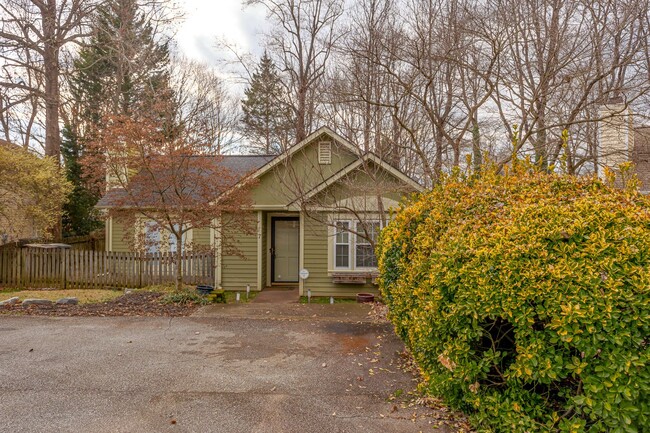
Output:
(441, 47)
(458, 77)
(205, 104)
(301, 44)
(358, 88)
(33, 34)
(565, 59)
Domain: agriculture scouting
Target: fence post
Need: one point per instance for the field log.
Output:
(23, 266)
(140, 260)
(64, 253)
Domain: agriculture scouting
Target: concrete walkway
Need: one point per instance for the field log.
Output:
(289, 295)
(284, 304)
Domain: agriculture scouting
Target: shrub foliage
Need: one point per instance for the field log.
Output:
(524, 299)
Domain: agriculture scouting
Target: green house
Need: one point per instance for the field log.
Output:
(317, 208)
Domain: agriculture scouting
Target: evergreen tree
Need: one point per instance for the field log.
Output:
(79, 214)
(123, 65)
(267, 118)
(119, 71)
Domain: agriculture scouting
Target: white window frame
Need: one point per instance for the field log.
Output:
(353, 229)
(336, 243)
(365, 242)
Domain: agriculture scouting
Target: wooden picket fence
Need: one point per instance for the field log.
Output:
(83, 269)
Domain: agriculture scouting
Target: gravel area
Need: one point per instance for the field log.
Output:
(137, 303)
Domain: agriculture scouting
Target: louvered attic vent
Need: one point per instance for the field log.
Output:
(325, 152)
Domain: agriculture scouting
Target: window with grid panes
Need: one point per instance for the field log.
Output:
(342, 245)
(366, 237)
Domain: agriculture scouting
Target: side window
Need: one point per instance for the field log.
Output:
(173, 247)
(366, 237)
(342, 245)
(151, 237)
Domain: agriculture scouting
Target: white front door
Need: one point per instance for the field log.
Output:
(285, 249)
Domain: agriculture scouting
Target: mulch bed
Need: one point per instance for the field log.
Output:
(132, 304)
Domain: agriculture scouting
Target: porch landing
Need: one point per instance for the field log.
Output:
(277, 295)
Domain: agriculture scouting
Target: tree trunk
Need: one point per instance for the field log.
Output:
(52, 97)
(301, 115)
(178, 260)
(51, 67)
(477, 157)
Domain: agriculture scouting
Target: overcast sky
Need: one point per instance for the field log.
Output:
(207, 20)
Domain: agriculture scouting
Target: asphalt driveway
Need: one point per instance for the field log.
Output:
(203, 374)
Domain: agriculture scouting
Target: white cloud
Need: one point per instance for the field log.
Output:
(206, 21)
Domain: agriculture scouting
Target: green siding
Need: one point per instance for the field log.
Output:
(265, 248)
(315, 260)
(201, 236)
(120, 236)
(238, 271)
(369, 182)
(280, 185)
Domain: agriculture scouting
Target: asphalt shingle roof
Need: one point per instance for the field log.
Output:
(239, 166)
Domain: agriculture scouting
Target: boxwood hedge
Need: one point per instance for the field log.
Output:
(525, 300)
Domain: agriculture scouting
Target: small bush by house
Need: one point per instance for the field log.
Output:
(525, 300)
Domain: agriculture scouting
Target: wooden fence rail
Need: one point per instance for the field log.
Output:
(83, 269)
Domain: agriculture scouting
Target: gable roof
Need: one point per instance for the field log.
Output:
(298, 146)
(356, 164)
(239, 165)
(246, 167)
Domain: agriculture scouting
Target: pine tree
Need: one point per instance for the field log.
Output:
(79, 214)
(123, 66)
(267, 118)
(119, 71)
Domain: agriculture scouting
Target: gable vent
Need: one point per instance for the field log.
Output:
(325, 152)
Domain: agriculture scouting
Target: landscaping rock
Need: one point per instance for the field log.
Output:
(68, 301)
(44, 302)
(10, 301)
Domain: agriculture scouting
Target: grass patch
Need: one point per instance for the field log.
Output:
(326, 300)
(231, 297)
(85, 296)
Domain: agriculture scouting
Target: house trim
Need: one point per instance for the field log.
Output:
(295, 148)
(215, 241)
(259, 250)
(353, 166)
(269, 243)
(301, 252)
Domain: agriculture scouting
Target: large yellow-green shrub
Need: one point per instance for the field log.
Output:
(525, 300)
